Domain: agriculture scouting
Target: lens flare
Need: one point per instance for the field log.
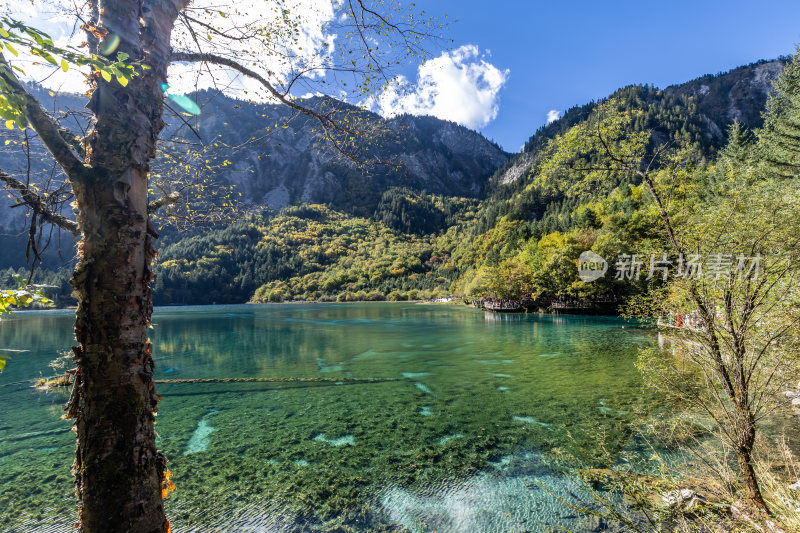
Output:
(109, 44)
(185, 103)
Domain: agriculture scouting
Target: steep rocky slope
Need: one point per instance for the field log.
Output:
(281, 159)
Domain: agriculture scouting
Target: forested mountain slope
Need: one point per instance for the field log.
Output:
(534, 223)
(438, 223)
(522, 237)
(696, 113)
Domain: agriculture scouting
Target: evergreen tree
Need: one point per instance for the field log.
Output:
(779, 140)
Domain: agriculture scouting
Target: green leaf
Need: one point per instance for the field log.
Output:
(122, 56)
(64, 65)
(122, 80)
(106, 75)
(11, 49)
(4, 33)
(48, 57)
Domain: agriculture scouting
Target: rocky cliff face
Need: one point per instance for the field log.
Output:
(281, 159)
(739, 94)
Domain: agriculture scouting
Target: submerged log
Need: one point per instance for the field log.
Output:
(68, 378)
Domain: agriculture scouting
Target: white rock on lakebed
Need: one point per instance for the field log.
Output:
(348, 440)
(796, 402)
(795, 486)
(791, 394)
(201, 437)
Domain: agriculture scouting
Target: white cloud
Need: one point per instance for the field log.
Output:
(48, 16)
(274, 49)
(459, 85)
(553, 115)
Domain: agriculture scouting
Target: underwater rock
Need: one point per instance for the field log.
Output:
(530, 420)
(412, 375)
(201, 437)
(447, 438)
(502, 463)
(323, 367)
(348, 440)
(423, 388)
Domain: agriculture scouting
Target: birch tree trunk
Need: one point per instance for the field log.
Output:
(118, 471)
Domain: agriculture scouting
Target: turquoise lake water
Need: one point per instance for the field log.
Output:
(479, 417)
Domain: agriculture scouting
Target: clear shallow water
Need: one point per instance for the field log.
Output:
(483, 414)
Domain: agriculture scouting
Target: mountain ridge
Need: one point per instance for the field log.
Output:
(719, 100)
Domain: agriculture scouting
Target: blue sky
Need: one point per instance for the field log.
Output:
(511, 63)
(560, 54)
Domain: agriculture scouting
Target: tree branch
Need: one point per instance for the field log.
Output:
(38, 205)
(170, 199)
(328, 123)
(194, 57)
(49, 130)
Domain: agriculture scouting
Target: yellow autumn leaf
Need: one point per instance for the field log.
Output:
(106, 75)
(64, 65)
(10, 124)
